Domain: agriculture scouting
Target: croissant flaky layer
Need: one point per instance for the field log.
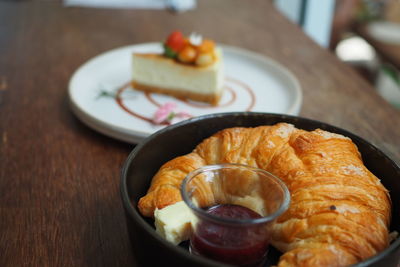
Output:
(339, 212)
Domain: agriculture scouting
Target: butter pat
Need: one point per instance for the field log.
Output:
(174, 222)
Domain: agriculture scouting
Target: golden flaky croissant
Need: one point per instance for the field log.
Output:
(339, 212)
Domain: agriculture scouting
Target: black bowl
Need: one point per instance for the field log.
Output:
(179, 139)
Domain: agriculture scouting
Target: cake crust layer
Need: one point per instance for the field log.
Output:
(213, 99)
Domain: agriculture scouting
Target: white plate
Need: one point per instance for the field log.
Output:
(253, 83)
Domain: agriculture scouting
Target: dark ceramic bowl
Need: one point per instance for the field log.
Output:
(179, 139)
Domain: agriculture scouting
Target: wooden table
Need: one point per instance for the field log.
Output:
(59, 180)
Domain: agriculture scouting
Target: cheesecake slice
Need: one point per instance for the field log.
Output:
(191, 72)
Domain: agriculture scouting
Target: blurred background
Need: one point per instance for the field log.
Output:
(362, 33)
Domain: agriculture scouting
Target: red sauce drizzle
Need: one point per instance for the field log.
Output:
(149, 97)
(120, 103)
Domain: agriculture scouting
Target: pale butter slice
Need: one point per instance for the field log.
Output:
(174, 222)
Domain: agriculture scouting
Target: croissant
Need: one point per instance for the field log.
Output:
(339, 212)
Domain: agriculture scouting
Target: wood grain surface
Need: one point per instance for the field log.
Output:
(59, 180)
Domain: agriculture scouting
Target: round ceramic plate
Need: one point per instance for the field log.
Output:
(101, 95)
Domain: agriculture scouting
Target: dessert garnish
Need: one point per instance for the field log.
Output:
(190, 50)
(169, 114)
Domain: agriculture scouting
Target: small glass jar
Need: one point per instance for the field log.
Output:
(234, 206)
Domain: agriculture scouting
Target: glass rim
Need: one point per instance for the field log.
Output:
(202, 213)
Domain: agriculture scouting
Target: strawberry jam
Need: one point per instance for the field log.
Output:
(236, 244)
